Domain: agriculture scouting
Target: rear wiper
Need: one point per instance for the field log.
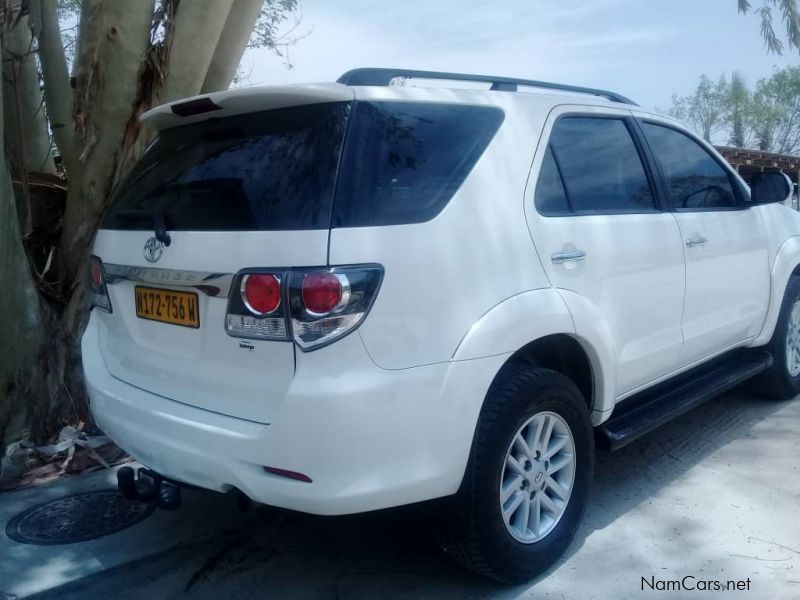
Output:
(161, 229)
(157, 220)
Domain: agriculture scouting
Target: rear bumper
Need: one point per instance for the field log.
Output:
(368, 438)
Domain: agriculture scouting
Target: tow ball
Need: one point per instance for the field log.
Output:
(148, 486)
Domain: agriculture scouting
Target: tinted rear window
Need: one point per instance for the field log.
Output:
(551, 197)
(273, 170)
(600, 165)
(277, 170)
(403, 161)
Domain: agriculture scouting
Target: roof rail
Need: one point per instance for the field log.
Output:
(373, 76)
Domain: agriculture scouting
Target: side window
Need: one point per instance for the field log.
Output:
(695, 179)
(551, 198)
(599, 166)
(404, 161)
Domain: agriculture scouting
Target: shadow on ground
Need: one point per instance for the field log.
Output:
(649, 501)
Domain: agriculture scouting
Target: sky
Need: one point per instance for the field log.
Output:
(646, 50)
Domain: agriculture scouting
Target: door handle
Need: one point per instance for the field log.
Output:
(696, 241)
(569, 256)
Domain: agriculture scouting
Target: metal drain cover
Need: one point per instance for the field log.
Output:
(77, 518)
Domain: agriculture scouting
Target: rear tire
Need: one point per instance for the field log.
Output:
(782, 380)
(481, 527)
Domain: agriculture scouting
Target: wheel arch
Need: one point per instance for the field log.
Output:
(562, 353)
(537, 327)
(557, 329)
(785, 266)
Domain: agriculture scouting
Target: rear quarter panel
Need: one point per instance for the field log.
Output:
(443, 275)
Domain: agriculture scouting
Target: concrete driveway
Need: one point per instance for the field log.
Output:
(714, 495)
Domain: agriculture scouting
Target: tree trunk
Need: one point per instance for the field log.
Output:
(27, 137)
(113, 40)
(114, 37)
(55, 76)
(21, 333)
(232, 44)
(197, 29)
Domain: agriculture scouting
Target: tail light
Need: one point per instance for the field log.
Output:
(323, 292)
(97, 283)
(261, 294)
(312, 307)
(256, 311)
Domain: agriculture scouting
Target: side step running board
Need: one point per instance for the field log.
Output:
(651, 408)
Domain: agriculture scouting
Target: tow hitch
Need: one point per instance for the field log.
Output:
(148, 486)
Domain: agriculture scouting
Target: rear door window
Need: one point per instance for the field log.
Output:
(273, 170)
(599, 165)
(550, 195)
(403, 161)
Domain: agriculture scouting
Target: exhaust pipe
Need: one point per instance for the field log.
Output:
(148, 486)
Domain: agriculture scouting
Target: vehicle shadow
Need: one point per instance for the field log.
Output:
(391, 554)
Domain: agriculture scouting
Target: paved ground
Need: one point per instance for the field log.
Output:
(27, 569)
(714, 495)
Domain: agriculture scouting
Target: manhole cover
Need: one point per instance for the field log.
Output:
(77, 518)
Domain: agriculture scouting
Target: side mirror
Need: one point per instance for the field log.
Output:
(770, 187)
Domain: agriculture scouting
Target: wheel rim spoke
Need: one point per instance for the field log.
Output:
(521, 444)
(548, 503)
(538, 476)
(563, 460)
(548, 431)
(559, 491)
(524, 512)
(511, 487)
(536, 510)
(534, 432)
(793, 341)
(515, 465)
(508, 513)
(555, 447)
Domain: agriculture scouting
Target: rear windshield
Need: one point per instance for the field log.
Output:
(273, 170)
(277, 170)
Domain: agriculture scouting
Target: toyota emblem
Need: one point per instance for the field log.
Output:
(153, 249)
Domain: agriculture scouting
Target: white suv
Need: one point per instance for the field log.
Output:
(345, 297)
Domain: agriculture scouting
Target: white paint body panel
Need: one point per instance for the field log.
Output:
(633, 274)
(202, 367)
(727, 280)
(386, 416)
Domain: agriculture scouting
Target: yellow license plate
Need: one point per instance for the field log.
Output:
(167, 306)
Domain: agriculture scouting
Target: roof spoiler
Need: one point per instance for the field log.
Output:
(218, 105)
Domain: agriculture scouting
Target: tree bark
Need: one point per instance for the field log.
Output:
(113, 39)
(55, 76)
(232, 44)
(21, 333)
